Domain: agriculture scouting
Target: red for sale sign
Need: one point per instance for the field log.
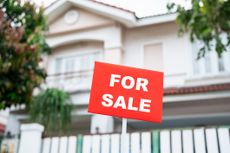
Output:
(126, 92)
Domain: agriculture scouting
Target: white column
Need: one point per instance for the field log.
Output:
(30, 141)
(13, 125)
(113, 55)
(113, 46)
(101, 124)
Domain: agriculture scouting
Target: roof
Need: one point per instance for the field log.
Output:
(123, 9)
(99, 2)
(124, 16)
(197, 89)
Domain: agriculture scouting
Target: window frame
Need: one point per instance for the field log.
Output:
(215, 72)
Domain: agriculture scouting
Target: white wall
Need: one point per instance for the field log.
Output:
(84, 21)
(131, 42)
(175, 50)
(13, 125)
(3, 116)
(110, 35)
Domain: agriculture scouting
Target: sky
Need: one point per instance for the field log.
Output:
(140, 7)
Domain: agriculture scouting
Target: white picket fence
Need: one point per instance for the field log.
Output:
(197, 140)
(9, 145)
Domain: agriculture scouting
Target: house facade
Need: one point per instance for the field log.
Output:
(196, 92)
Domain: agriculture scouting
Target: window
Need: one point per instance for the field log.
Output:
(153, 56)
(210, 64)
(81, 62)
(58, 65)
(69, 64)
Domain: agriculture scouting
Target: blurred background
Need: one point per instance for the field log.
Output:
(143, 34)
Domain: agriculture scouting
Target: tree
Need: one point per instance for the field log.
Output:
(22, 43)
(52, 108)
(206, 21)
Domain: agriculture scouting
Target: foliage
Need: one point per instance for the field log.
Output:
(52, 108)
(22, 44)
(206, 21)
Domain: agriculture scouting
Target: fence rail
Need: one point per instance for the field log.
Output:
(197, 140)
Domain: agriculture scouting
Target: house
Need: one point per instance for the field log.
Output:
(81, 32)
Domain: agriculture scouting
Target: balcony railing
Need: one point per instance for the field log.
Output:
(71, 81)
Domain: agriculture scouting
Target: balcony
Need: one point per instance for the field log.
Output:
(71, 81)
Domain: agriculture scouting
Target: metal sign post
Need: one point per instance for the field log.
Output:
(123, 134)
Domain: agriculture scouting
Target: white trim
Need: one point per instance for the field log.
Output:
(91, 35)
(197, 116)
(32, 127)
(79, 53)
(196, 96)
(70, 40)
(127, 18)
(54, 6)
(71, 17)
(124, 17)
(155, 20)
(208, 76)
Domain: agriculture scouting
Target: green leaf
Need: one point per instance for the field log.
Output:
(22, 47)
(52, 108)
(205, 21)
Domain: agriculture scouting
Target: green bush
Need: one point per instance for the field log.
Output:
(22, 43)
(52, 108)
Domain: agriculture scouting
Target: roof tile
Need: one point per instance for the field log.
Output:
(197, 89)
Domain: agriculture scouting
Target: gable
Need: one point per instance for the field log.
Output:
(77, 19)
(125, 17)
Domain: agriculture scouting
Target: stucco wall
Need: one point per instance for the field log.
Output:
(176, 51)
(86, 20)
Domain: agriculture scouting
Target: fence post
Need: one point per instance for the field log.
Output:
(101, 124)
(31, 138)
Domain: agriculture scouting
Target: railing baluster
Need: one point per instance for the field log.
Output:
(187, 141)
(105, 143)
(86, 148)
(115, 143)
(155, 142)
(96, 144)
(199, 140)
(72, 144)
(135, 143)
(63, 145)
(146, 142)
(54, 145)
(165, 141)
(211, 138)
(79, 144)
(224, 140)
(176, 141)
(127, 143)
(46, 145)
